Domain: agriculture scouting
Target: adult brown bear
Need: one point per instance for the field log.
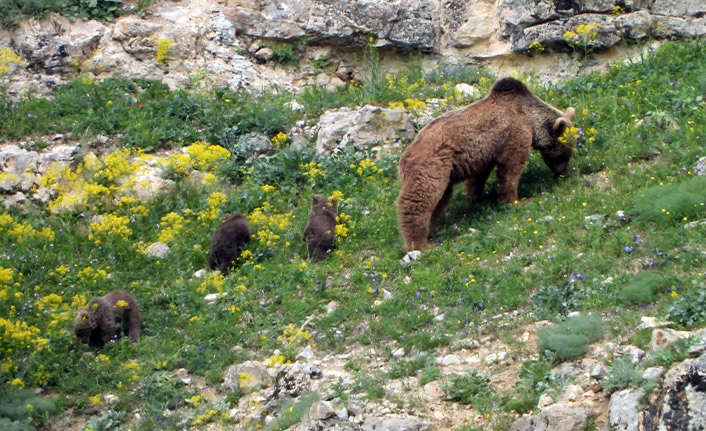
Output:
(466, 144)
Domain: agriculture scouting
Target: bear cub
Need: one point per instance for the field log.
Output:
(228, 241)
(105, 317)
(320, 230)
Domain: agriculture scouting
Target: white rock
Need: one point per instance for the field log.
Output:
(331, 307)
(201, 273)
(652, 373)
(545, 400)
(410, 256)
(647, 322)
(307, 353)
(213, 297)
(496, 357)
(398, 353)
(467, 90)
(158, 250)
(450, 360)
(662, 337)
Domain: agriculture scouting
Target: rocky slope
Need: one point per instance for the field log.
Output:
(229, 42)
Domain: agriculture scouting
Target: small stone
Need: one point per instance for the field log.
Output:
(450, 360)
(439, 318)
(496, 357)
(647, 322)
(110, 399)
(201, 273)
(341, 414)
(570, 393)
(331, 307)
(398, 353)
(321, 411)
(213, 297)
(307, 353)
(598, 372)
(356, 407)
(545, 400)
(652, 373)
(410, 256)
(158, 250)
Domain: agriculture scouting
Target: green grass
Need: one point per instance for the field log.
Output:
(542, 257)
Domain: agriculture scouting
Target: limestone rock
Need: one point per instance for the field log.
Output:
(158, 250)
(680, 404)
(248, 376)
(394, 423)
(624, 409)
(556, 417)
(362, 128)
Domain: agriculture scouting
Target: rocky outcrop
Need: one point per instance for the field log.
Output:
(230, 43)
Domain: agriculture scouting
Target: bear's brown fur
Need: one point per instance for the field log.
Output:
(320, 230)
(228, 240)
(466, 144)
(105, 317)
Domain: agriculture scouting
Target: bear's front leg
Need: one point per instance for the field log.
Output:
(508, 182)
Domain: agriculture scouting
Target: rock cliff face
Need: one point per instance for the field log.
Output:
(230, 42)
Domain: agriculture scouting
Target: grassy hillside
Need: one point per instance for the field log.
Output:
(582, 243)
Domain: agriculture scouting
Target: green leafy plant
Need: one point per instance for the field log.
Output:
(642, 289)
(690, 309)
(401, 368)
(621, 374)
(429, 375)
(570, 339)
(674, 202)
(23, 410)
(471, 388)
(291, 412)
(554, 301)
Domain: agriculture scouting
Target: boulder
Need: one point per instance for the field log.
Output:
(362, 128)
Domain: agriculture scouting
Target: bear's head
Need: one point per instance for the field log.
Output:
(557, 153)
(319, 202)
(84, 324)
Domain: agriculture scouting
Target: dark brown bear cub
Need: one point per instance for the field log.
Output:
(320, 230)
(105, 317)
(228, 240)
(466, 144)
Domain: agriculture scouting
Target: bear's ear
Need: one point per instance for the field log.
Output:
(569, 114)
(316, 199)
(561, 123)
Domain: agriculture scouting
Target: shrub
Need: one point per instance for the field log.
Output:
(621, 374)
(13, 11)
(429, 375)
(21, 409)
(690, 309)
(570, 339)
(672, 202)
(292, 412)
(282, 53)
(554, 301)
(419, 361)
(642, 289)
(469, 389)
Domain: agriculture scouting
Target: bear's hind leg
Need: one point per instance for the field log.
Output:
(440, 207)
(475, 186)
